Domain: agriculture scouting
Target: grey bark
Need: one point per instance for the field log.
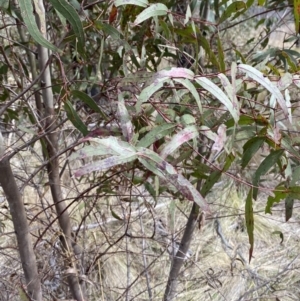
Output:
(53, 165)
(178, 260)
(18, 214)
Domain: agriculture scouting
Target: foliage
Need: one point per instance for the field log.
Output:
(155, 99)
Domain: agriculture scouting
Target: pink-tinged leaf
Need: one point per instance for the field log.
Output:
(180, 138)
(105, 146)
(220, 95)
(176, 73)
(104, 164)
(285, 81)
(296, 80)
(277, 135)
(221, 138)
(265, 82)
(90, 151)
(249, 217)
(126, 124)
(166, 171)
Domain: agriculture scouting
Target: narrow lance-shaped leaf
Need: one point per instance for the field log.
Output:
(289, 201)
(148, 92)
(29, 20)
(249, 218)
(264, 167)
(180, 138)
(156, 134)
(114, 214)
(111, 146)
(216, 175)
(221, 55)
(74, 118)
(220, 95)
(104, 164)
(219, 143)
(153, 10)
(232, 8)
(90, 151)
(186, 83)
(71, 15)
(265, 82)
(289, 206)
(142, 3)
(88, 101)
(296, 15)
(230, 90)
(166, 171)
(126, 124)
(250, 148)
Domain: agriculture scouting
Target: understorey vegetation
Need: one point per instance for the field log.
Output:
(149, 150)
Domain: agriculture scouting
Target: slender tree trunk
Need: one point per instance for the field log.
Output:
(17, 211)
(53, 166)
(178, 260)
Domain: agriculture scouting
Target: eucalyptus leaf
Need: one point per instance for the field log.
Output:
(29, 20)
(153, 10)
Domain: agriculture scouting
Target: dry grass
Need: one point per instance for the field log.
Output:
(136, 266)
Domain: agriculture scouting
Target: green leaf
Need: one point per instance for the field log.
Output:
(155, 134)
(89, 101)
(207, 47)
(71, 15)
(289, 205)
(216, 175)
(221, 55)
(232, 8)
(264, 167)
(108, 30)
(249, 218)
(177, 140)
(250, 149)
(265, 82)
(153, 10)
(280, 235)
(29, 20)
(74, 118)
(142, 3)
(220, 95)
(151, 190)
(280, 192)
(4, 4)
(148, 92)
(114, 214)
(296, 15)
(186, 83)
